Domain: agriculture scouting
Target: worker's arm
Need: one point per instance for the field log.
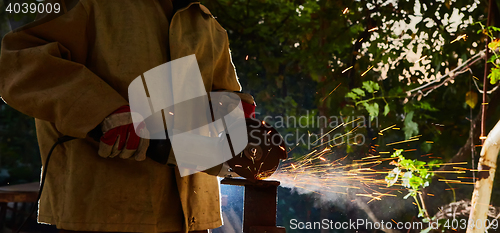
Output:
(225, 77)
(42, 74)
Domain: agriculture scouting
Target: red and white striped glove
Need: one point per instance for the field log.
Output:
(119, 137)
(247, 102)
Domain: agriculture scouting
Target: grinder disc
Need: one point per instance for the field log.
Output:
(262, 155)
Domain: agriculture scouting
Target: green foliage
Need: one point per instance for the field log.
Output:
(471, 98)
(411, 127)
(303, 49)
(19, 156)
(494, 45)
(371, 86)
(414, 175)
(494, 76)
(358, 92)
(386, 109)
(372, 109)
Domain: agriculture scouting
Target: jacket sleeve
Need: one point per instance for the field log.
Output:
(225, 77)
(42, 74)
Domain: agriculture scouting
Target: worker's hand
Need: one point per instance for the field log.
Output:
(120, 138)
(231, 101)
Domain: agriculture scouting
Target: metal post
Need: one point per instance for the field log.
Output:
(259, 213)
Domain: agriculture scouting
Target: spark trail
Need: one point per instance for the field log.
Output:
(315, 172)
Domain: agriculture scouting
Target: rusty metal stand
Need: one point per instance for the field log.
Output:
(259, 213)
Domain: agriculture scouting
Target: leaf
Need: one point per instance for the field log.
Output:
(471, 99)
(352, 95)
(494, 44)
(392, 177)
(434, 163)
(416, 182)
(411, 127)
(424, 173)
(494, 28)
(358, 91)
(406, 179)
(493, 58)
(386, 109)
(494, 76)
(426, 147)
(371, 86)
(349, 149)
(405, 162)
(426, 106)
(372, 109)
(397, 153)
(315, 77)
(419, 163)
(421, 213)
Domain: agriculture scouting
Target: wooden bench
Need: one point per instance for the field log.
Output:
(19, 195)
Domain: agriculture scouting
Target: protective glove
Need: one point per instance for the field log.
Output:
(248, 104)
(230, 103)
(119, 137)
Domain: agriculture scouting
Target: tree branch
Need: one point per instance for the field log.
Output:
(466, 64)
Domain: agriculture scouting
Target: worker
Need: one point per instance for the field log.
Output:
(71, 73)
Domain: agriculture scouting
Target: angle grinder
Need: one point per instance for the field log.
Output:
(257, 161)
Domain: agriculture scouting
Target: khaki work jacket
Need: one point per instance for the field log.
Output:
(70, 72)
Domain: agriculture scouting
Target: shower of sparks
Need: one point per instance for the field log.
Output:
(409, 140)
(369, 68)
(350, 67)
(314, 172)
(381, 131)
(373, 29)
(464, 36)
(345, 11)
(317, 172)
(331, 92)
(422, 58)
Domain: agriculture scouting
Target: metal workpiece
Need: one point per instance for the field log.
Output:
(259, 211)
